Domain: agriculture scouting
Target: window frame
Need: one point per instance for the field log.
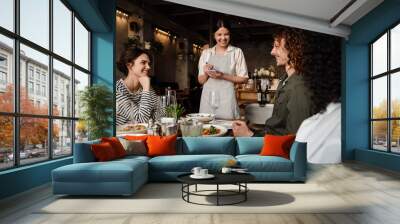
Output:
(16, 114)
(388, 74)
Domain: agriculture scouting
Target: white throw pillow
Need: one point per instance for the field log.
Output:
(134, 147)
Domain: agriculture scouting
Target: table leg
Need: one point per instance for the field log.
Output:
(217, 194)
(245, 191)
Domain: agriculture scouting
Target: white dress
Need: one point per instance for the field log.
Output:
(231, 63)
(322, 132)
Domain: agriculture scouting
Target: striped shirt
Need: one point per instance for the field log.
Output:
(138, 106)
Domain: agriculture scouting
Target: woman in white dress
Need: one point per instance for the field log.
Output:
(220, 68)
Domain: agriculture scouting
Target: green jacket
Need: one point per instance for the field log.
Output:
(292, 106)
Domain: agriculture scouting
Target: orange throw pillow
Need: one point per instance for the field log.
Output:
(161, 145)
(275, 145)
(103, 151)
(136, 137)
(116, 145)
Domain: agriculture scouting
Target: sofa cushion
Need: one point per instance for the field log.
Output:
(116, 145)
(277, 145)
(134, 147)
(161, 145)
(103, 151)
(209, 145)
(112, 171)
(185, 163)
(249, 145)
(257, 163)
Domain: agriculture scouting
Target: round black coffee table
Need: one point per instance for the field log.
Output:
(238, 179)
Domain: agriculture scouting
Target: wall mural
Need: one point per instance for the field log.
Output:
(183, 65)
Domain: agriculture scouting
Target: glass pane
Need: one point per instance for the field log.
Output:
(81, 81)
(395, 136)
(395, 95)
(379, 97)
(7, 14)
(6, 74)
(62, 29)
(395, 47)
(33, 139)
(379, 55)
(35, 21)
(34, 97)
(81, 131)
(6, 142)
(62, 138)
(62, 89)
(81, 45)
(379, 135)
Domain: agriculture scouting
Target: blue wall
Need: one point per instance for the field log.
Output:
(356, 94)
(99, 15)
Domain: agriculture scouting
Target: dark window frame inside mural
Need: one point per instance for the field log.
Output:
(38, 119)
(384, 82)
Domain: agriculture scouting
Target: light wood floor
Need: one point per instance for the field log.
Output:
(377, 188)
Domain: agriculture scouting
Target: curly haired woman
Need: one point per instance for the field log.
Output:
(293, 102)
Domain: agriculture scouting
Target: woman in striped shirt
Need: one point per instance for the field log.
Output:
(136, 101)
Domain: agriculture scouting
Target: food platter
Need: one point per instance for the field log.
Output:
(140, 128)
(202, 117)
(211, 130)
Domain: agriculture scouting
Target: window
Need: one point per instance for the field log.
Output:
(3, 71)
(41, 83)
(3, 61)
(6, 90)
(30, 87)
(38, 89)
(43, 90)
(385, 94)
(81, 45)
(34, 22)
(37, 74)
(3, 78)
(7, 14)
(30, 73)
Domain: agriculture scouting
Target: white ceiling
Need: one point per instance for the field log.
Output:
(320, 9)
(314, 15)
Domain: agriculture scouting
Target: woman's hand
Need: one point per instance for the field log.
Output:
(216, 74)
(145, 82)
(207, 68)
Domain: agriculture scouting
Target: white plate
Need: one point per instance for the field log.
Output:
(226, 123)
(221, 133)
(203, 117)
(208, 176)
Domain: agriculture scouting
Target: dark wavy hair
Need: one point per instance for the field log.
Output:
(294, 43)
(322, 69)
(129, 54)
(222, 23)
(317, 57)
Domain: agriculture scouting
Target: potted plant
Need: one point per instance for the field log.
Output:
(96, 102)
(175, 111)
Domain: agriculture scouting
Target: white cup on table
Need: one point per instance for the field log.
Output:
(203, 172)
(196, 171)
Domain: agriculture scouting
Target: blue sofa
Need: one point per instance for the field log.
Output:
(125, 176)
